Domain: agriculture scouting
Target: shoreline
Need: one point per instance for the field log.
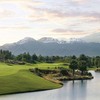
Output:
(58, 80)
(28, 91)
(40, 90)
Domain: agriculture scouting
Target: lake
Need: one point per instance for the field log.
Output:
(72, 90)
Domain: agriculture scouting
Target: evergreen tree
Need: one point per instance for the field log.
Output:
(83, 66)
(73, 65)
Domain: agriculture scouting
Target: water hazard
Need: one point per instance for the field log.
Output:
(72, 90)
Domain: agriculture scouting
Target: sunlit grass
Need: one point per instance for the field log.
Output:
(6, 69)
(18, 78)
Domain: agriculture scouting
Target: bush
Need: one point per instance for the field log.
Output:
(89, 74)
(64, 72)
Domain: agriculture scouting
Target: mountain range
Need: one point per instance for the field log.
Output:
(49, 46)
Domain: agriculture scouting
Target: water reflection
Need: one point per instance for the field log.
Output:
(72, 90)
(77, 90)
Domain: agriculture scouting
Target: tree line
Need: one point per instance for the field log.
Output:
(83, 60)
(5, 55)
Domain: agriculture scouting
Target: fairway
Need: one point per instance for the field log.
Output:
(6, 69)
(18, 78)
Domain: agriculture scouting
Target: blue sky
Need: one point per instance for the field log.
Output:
(48, 18)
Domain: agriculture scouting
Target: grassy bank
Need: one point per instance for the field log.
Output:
(18, 78)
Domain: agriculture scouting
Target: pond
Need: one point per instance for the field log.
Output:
(72, 90)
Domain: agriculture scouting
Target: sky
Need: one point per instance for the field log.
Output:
(62, 19)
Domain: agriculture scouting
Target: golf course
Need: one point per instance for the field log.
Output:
(28, 73)
(18, 79)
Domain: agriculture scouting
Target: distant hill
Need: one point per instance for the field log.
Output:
(95, 37)
(50, 46)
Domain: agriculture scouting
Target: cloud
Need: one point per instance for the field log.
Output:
(6, 13)
(40, 20)
(80, 1)
(54, 18)
(68, 32)
(42, 12)
(12, 1)
(19, 27)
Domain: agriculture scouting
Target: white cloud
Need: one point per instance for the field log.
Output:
(20, 18)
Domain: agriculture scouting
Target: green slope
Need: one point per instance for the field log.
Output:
(17, 78)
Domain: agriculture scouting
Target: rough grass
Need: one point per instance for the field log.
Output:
(18, 78)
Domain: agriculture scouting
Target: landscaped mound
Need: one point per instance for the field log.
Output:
(57, 75)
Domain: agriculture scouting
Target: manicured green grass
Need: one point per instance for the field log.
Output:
(11, 69)
(50, 65)
(23, 81)
(18, 78)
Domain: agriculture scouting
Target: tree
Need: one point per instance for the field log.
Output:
(26, 57)
(83, 57)
(19, 57)
(82, 66)
(73, 65)
(73, 57)
(34, 58)
(5, 55)
(41, 58)
(97, 61)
